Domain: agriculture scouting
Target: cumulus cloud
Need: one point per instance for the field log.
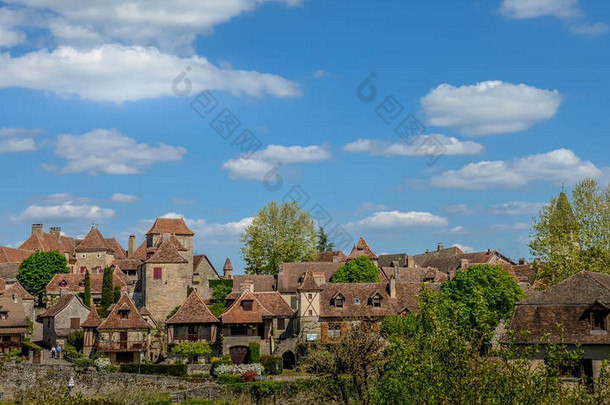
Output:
(111, 152)
(124, 198)
(555, 166)
(18, 139)
(258, 164)
(397, 220)
(119, 73)
(490, 107)
(452, 146)
(63, 207)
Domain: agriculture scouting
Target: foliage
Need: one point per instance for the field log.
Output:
(361, 270)
(218, 362)
(220, 289)
(189, 290)
(83, 363)
(324, 243)
(71, 352)
(177, 370)
(279, 233)
(249, 376)
(38, 269)
(254, 352)
(172, 312)
(238, 368)
(116, 294)
(87, 293)
(107, 292)
(274, 365)
(30, 346)
(75, 339)
(192, 350)
(228, 379)
(572, 234)
(102, 363)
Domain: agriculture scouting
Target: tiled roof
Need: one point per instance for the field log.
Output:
(227, 265)
(449, 260)
(584, 287)
(193, 310)
(309, 282)
(134, 318)
(175, 226)
(48, 241)
(73, 281)
(8, 271)
(128, 264)
(290, 275)
(261, 282)
(15, 321)
(332, 256)
(10, 255)
(399, 259)
(93, 319)
(415, 274)
(362, 248)
(93, 242)
(60, 305)
(140, 252)
(17, 288)
(264, 305)
(115, 246)
(167, 253)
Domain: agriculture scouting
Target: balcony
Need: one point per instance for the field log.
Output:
(192, 337)
(121, 346)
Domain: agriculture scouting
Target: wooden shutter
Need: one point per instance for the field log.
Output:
(157, 273)
(343, 328)
(74, 323)
(324, 331)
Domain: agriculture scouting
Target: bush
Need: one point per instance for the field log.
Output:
(75, 339)
(83, 363)
(249, 376)
(254, 352)
(239, 368)
(219, 362)
(102, 363)
(228, 379)
(71, 352)
(273, 365)
(176, 370)
(32, 346)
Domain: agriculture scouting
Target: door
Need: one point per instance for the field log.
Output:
(238, 354)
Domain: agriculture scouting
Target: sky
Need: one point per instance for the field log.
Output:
(409, 123)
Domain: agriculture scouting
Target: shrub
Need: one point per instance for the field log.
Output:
(102, 363)
(248, 376)
(239, 368)
(71, 352)
(219, 362)
(176, 370)
(83, 363)
(254, 352)
(228, 379)
(32, 346)
(274, 365)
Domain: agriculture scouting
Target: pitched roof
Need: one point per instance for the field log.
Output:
(261, 282)
(415, 274)
(115, 246)
(175, 226)
(134, 318)
(127, 264)
(93, 242)
(362, 248)
(140, 252)
(309, 282)
(290, 275)
(331, 256)
(399, 259)
(74, 280)
(48, 241)
(264, 305)
(60, 305)
(449, 260)
(227, 265)
(11, 255)
(193, 310)
(8, 271)
(166, 253)
(17, 288)
(93, 319)
(15, 322)
(584, 287)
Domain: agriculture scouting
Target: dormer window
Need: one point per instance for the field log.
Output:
(339, 301)
(356, 300)
(598, 320)
(246, 305)
(63, 283)
(124, 313)
(375, 300)
(81, 284)
(3, 315)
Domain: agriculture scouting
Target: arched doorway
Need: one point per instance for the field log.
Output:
(289, 360)
(239, 354)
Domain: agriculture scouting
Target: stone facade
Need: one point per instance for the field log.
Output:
(65, 317)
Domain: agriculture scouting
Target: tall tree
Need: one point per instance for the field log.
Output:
(87, 294)
(324, 243)
(361, 270)
(107, 291)
(38, 269)
(278, 233)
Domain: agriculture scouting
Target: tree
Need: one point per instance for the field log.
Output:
(278, 233)
(324, 243)
(192, 350)
(361, 270)
(38, 269)
(570, 235)
(87, 294)
(107, 292)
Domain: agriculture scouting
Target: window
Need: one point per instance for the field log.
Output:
(239, 330)
(74, 323)
(246, 305)
(356, 300)
(83, 256)
(281, 323)
(339, 302)
(98, 255)
(3, 315)
(293, 302)
(81, 284)
(310, 312)
(124, 313)
(63, 283)
(83, 269)
(157, 273)
(309, 296)
(598, 320)
(376, 301)
(334, 330)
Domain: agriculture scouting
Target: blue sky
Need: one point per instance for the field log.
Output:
(97, 124)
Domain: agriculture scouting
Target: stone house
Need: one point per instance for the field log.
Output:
(193, 322)
(95, 252)
(52, 240)
(203, 271)
(74, 283)
(362, 248)
(62, 319)
(27, 300)
(13, 322)
(575, 311)
(261, 317)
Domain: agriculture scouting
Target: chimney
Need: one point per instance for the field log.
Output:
(463, 263)
(131, 245)
(228, 269)
(410, 261)
(440, 246)
(522, 261)
(393, 283)
(320, 278)
(55, 230)
(246, 286)
(37, 229)
(427, 250)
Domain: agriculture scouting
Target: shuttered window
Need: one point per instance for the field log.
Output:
(157, 273)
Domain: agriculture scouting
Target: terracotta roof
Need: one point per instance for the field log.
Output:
(415, 274)
(9, 271)
(11, 255)
(93, 242)
(309, 282)
(93, 319)
(128, 264)
(134, 318)
(17, 288)
(140, 252)
(73, 281)
(15, 321)
(450, 259)
(399, 259)
(115, 246)
(261, 282)
(175, 226)
(290, 275)
(264, 305)
(193, 310)
(362, 248)
(167, 253)
(60, 305)
(227, 265)
(332, 256)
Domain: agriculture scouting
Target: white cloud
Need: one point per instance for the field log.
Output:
(398, 220)
(9, 37)
(538, 8)
(18, 139)
(591, 29)
(490, 107)
(320, 73)
(463, 248)
(210, 234)
(63, 207)
(456, 230)
(452, 146)
(119, 73)
(111, 152)
(510, 227)
(124, 198)
(556, 166)
(462, 209)
(257, 165)
(516, 208)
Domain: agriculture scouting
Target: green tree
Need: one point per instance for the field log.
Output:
(192, 350)
(87, 294)
(361, 270)
(38, 269)
(107, 292)
(278, 233)
(324, 243)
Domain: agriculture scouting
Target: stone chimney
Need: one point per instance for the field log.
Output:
(55, 230)
(320, 278)
(463, 263)
(37, 229)
(410, 261)
(228, 269)
(393, 279)
(131, 245)
(440, 246)
(246, 286)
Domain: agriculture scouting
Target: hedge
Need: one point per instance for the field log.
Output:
(229, 379)
(217, 363)
(274, 365)
(254, 352)
(177, 370)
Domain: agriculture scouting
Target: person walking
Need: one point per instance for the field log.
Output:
(70, 385)
(59, 351)
(53, 351)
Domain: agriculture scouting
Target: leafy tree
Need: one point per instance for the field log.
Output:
(38, 269)
(173, 311)
(192, 350)
(278, 233)
(107, 292)
(87, 294)
(324, 243)
(116, 294)
(189, 290)
(361, 270)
